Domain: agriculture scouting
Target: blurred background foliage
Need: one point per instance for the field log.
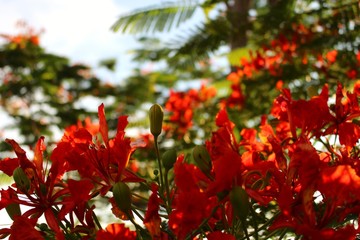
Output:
(262, 46)
(267, 46)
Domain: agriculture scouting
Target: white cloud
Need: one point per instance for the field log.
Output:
(78, 29)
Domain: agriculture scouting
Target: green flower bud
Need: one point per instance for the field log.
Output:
(221, 195)
(122, 196)
(156, 115)
(21, 179)
(43, 227)
(43, 189)
(13, 209)
(240, 202)
(202, 159)
(169, 159)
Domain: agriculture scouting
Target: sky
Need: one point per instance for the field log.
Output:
(77, 29)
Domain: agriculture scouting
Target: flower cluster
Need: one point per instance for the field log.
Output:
(297, 174)
(285, 55)
(47, 189)
(29, 36)
(182, 105)
(287, 48)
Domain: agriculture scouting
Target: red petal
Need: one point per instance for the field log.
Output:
(220, 235)
(38, 155)
(51, 220)
(21, 154)
(116, 231)
(222, 118)
(122, 123)
(349, 134)
(80, 190)
(340, 183)
(23, 228)
(103, 124)
(8, 165)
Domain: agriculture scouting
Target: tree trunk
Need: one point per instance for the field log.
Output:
(238, 16)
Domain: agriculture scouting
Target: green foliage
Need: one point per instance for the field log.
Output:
(108, 63)
(157, 18)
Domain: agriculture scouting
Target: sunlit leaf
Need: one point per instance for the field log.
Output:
(158, 18)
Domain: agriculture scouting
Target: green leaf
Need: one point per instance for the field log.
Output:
(159, 18)
(5, 179)
(222, 88)
(237, 54)
(108, 63)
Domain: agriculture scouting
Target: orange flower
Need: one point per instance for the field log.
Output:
(331, 56)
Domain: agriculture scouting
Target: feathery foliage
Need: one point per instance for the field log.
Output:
(158, 18)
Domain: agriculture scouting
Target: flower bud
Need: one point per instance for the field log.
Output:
(21, 179)
(202, 159)
(240, 202)
(169, 159)
(13, 209)
(156, 116)
(122, 196)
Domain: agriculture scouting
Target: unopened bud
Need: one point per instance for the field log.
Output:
(21, 179)
(156, 115)
(169, 159)
(13, 209)
(202, 159)
(122, 196)
(43, 189)
(240, 202)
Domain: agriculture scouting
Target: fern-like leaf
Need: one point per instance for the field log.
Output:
(159, 18)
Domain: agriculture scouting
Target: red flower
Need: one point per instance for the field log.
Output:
(8, 165)
(45, 190)
(236, 98)
(217, 235)
(23, 228)
(304, 171)
(77, 201)
(90, 127)
(346, 233)
(351, 73)
(346, 109)
(152, 218)
(116, 231)
(188, 212)
(181, 106)
(331, 56)
(104, 163)
(340, 184)
(310, 116)
(225, 157)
